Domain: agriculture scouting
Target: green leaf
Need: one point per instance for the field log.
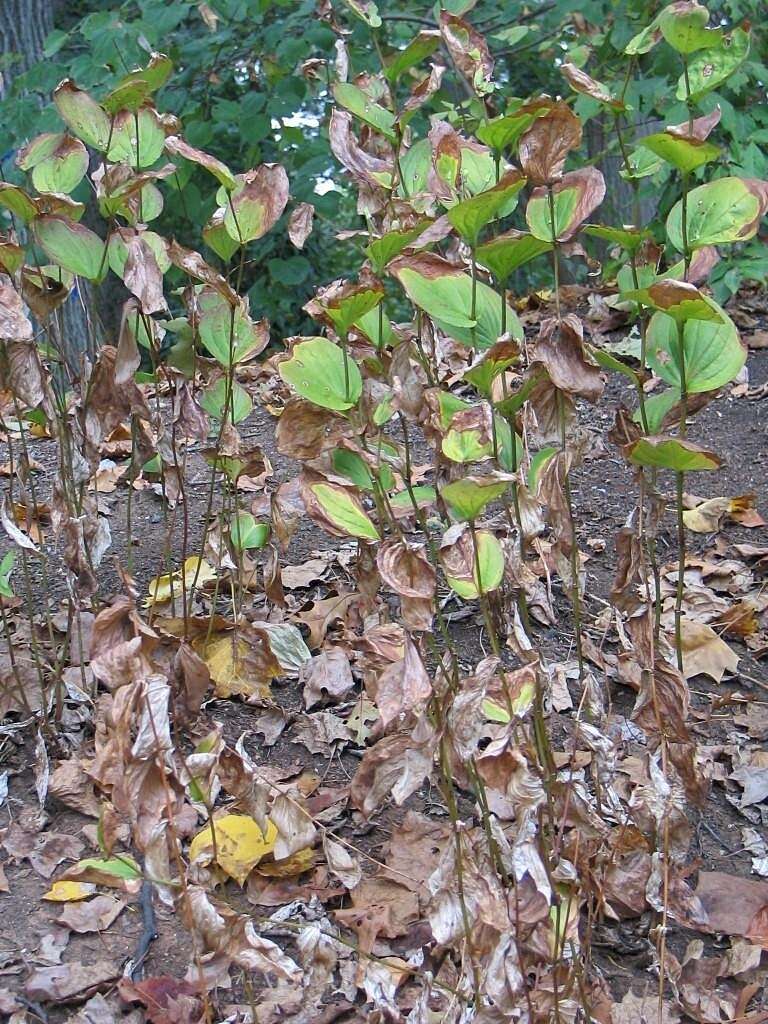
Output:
(17, 201)
(445, 294)
(642, 164)
(656, 408)
(366, 10)
(423, 46)
(684, 154)
(214, 397)
(725, 210)
(606, 361)
(58, 162)
(424, 496)
(358, 103)
(502, 132)
(141, 149)
(255, 204)
(714, 354)
(485, 369)
(124, 867)
(488, 570)
(316, 371)
(246, 534)
(466, 445)
(710, 68)
(375, 325)
(117, 250)
(629, 238)
(82, 115)
(664, 452)
(684, 27)
(72, 246)
(678, 299)
(344, 512)
(228, 333)
(6, 568)
(471, 215)
(381, 250)
(538, 463)
(466, 498)
(506, 253)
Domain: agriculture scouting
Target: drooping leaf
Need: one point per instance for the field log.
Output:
(235, 407)
(684, 26)
(710, 68)
(319, 371)
(664, 452)
(583, 83)
(546, 144)
(229, 334)
(82, 115)
(684, 154)
(721, 211)
(466, 498)
(136, 139)
(57, 161)
(177, 146)
(338, 510)
(677, 299)
(381, 250)
(400, 61)
(72, 246)
(246, 534)
(507, 252)
(256, 203)
(486, 565)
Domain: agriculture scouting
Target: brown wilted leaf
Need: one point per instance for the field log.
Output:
(403, 687)
(468, 49)
(364, 167)
(300, 224)
(643, 1009)
(70, 982)
(405, 568)
(560, 351)
(699, 129)
(327, 677)
(94, 915)
(708, 516)
(234, 936)
(583, 83)
(305, 431)
(15, 325)
(394, 767)
(545, 146)
(44, 850)
(143, 276)
(735, 905)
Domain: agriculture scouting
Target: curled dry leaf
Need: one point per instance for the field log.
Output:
(704, 652)
(295, 828)
(234, 936)
(560, 350)
(406, 569)
(403, 687)
(468, 49)
(395, 766)
(343, 864)
(300, 224)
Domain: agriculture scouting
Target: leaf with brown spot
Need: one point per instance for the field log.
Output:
(405, 568)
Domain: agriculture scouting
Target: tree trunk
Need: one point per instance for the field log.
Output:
(24, 26)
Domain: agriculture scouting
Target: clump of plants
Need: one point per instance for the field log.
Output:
(425, 428)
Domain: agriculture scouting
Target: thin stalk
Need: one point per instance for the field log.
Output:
(680, 482)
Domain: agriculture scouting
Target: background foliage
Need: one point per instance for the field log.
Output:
(243, 90)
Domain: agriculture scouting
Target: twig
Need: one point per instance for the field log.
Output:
(148, 935)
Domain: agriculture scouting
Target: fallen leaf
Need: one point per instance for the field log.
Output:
(94, 916)
(196, 571)
(70, 981)
(240, 845)
(327, 677)
(642, 1010)
(735, 905)
(66, 892)
(704, 652)
(709, 515)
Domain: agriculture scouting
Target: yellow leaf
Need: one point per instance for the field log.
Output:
(240, 845)
(708, 516)
(296, 864)
(69, 892)
(195, 571)
(236, 666)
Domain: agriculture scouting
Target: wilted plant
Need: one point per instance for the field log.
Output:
(444, 444)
